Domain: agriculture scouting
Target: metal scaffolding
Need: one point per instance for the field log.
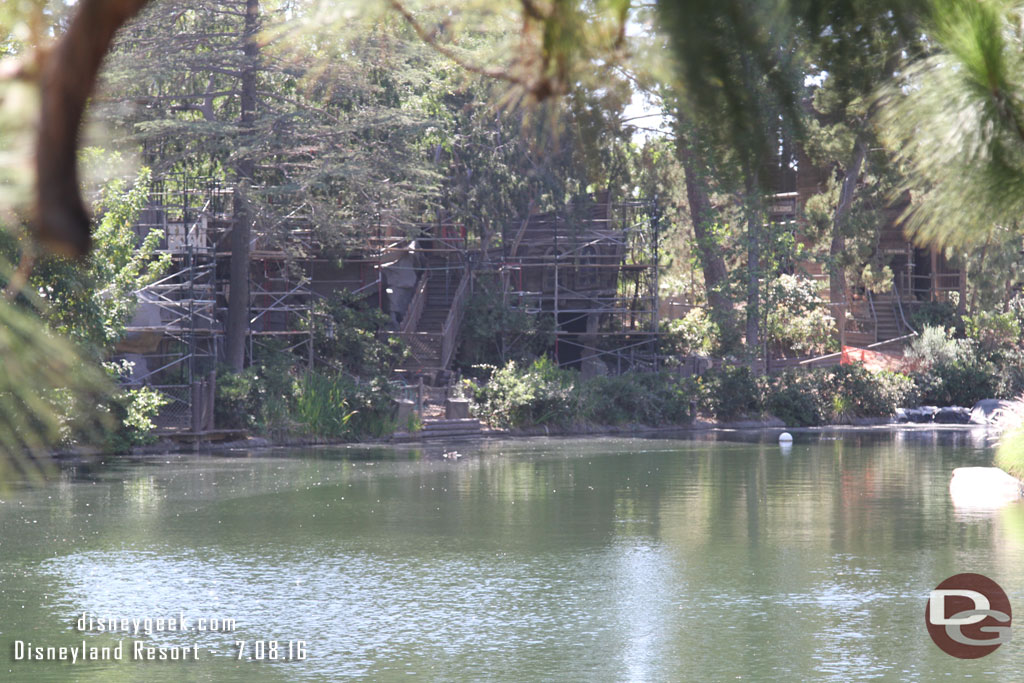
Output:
(176, 336)
(594, 269)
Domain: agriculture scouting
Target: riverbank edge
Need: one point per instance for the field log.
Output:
(699, 426)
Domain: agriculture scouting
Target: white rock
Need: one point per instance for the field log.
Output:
(984, 488)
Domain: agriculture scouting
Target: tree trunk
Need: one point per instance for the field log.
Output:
(754, 220)
(241, 233)
(836, 273)
(712, 264)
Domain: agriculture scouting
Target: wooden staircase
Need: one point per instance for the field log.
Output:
(440, 291)
(873, 319)
(432, 331)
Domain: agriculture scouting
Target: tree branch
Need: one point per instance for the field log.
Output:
(430, 38)
(66, 81)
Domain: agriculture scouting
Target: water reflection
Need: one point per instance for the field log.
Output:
(545, 559)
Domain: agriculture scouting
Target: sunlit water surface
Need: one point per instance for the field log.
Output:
(573, 560)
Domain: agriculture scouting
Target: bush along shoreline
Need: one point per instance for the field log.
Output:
(951, 375)
(279, 401)
(519, 396)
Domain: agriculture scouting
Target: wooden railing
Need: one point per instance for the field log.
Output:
(450, 330)
(899, 309)
(415, 310)
(874, 316)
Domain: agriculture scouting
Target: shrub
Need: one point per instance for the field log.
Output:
(952, 371)
(695, 332)
(797, 318)
(835, 395)
(493, 333)
(993, 331)
(955, 384)
(1008, 371)
(134, 410)
(322, 404)
(650, 399)
(350, 335)
(730, 392)
(939, 314)
(235, 405)
(934, 346)
(541, 393)
(796, 399)
(869, 394)
(371, 403)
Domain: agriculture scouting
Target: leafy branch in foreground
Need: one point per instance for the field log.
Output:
(956, 121)
(48, 394)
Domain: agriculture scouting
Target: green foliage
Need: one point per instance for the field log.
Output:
(934, 314)
(350, 335)
(373, 402)
(867, 393)
(258, 398)
(650, 399)
(537, 394)
(48, 394)
(797, 319)
(954, 120)
(235, 406)
(133, 411)
(695, 332)
(730, 392)
(952, 371)
(835, 395)
(92, 303)
(955, 384)
(1010, 451)
(322, 404)
(543, 394)
(993, 330)
(494, 334)
(934, 346)
(84, 308)
(276, 396)
(1008, 372)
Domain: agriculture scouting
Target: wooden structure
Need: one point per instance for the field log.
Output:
(593, 267)
(920, 275)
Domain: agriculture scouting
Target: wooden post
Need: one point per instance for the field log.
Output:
(211, 402)
(197, 407)
(842, 324)
(935, 275)
(419, 398)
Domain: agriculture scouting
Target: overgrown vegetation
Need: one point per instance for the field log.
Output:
(347, 395)
(494, 333)
(542, 394)
(954, 371)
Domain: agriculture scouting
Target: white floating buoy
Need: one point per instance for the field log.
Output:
(785, 437)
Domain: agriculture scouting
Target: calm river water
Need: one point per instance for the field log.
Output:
(567, 560)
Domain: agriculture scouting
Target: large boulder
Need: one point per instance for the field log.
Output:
(952, 415)
(920, 414)
(984, 411)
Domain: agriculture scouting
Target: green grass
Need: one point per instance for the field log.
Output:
(1010, 452)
